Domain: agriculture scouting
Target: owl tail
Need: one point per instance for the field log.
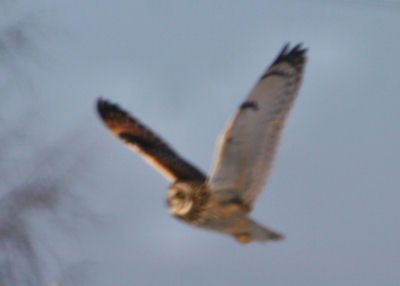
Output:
(258, 233)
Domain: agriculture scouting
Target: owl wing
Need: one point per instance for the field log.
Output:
(140, 138)
(247, 146)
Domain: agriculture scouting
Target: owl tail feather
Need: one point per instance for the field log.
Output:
(258, 233)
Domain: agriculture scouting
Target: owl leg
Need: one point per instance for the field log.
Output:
(243, 237)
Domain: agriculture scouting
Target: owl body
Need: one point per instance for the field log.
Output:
(216, 211)
(222, 201)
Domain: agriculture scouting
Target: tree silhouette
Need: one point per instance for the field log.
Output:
(36, 177)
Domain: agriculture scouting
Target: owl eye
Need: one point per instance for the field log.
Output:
(180, 195)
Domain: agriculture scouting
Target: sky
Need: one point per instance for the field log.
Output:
(183, 67)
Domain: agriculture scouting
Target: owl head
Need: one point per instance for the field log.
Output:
(180, 198)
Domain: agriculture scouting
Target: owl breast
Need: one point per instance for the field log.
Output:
(211, 213)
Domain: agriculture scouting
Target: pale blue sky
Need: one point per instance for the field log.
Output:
(183, 67)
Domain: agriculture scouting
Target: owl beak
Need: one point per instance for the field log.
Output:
(167, 203)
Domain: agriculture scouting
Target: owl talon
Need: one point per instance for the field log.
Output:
(243, 237)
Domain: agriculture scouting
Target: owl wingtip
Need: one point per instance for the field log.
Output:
(294, 56)
(105, 107)
(101, 105)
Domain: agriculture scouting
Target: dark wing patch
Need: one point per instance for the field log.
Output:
(273, 73)
(249, 104)
(155, 150)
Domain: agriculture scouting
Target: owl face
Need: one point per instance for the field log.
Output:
(180, 198)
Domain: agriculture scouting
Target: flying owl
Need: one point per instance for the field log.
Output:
(245, 151)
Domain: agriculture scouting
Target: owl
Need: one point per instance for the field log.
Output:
(246, 149)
